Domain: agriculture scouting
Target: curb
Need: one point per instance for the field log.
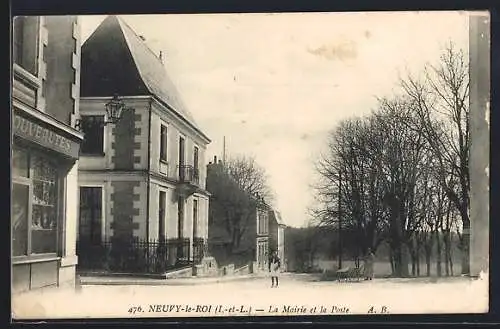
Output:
(164, 282)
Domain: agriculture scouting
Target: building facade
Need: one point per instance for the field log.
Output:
(45, 149)
(244, 241)
(277, 235)
(142, 178)
(262, 238)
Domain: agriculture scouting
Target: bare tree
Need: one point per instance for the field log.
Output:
(441, 105)
(250, 176)
(238, 188)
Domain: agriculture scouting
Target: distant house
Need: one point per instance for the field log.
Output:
(277, 235)
(143, 178)
(253, 241)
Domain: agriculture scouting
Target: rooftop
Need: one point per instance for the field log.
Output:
(115, 60)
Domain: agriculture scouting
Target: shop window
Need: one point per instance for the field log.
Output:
(44, 212)
(89, 226)
(34, 215)
(25, 40)
(20, 166)
(19, 219)
(93, 129)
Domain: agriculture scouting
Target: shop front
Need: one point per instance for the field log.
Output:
(44, 153)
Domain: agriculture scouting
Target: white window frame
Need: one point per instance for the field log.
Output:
(167, 125)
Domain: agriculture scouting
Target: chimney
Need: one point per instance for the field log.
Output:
(215, 159)
(161, 56)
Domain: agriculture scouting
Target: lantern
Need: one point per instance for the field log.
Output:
(114, 109)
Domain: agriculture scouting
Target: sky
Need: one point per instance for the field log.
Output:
(275, 84)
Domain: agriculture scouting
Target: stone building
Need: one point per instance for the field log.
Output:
(142, 178)
(252, 231)
(277, 235)
(45, 148)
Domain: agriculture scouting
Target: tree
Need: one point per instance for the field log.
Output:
(237, 187)
(442, 108)
(391, 176)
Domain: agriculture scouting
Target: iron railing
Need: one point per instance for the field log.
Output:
(200, 248)
(189, 174)
(133, 256)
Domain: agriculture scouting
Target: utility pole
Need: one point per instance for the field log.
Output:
(340, 219)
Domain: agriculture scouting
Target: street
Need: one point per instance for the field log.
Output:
(297, 295)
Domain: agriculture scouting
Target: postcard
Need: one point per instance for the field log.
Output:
(250, 164)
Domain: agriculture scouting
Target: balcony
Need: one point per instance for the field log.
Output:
(188, 174)
(188, 180)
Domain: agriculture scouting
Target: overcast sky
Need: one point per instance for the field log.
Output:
(275, 84)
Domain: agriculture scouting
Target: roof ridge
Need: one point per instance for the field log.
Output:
(122, 21)
(129, 46)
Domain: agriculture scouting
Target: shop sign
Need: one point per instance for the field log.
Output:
(45, 137)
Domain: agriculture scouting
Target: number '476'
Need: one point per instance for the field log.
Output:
(135, 309)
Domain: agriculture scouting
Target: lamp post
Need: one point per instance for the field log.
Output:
(114, 110)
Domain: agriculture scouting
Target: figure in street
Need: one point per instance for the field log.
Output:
(368, 264)
(274, 268)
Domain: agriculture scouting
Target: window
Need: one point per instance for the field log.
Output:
(161, 215)
(44, 211)
(25, 39)
(163, 143)
(90, 225)
(195, 218)
(182, 173)
(34, 213)
(195, 157)
(19, 219)
(93, 129)
(180, 213)
(195, 162)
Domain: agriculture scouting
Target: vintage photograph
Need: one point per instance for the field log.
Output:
(250, 164)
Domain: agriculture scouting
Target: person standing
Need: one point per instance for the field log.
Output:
(369, 261)
(274, 268)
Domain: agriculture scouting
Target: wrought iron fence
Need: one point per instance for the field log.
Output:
(135, 256)
(200, 248)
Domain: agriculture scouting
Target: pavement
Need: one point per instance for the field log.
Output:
(244, 296)
(136, 281)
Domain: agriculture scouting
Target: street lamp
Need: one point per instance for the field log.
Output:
(114, 110)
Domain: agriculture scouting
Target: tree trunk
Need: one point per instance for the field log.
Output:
(414, 256)
(451, 263)
(413, 265)
(391, 260)
(428, 251)
(418, 257)
(438, 253)
(447, 252)
(400, 261)
(465, 246)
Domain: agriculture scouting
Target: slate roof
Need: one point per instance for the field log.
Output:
(116, 60)
(277, 215)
